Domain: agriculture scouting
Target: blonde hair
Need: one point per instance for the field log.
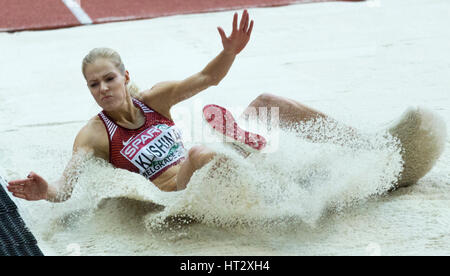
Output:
(114, 57)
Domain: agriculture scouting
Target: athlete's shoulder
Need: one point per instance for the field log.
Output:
(158, 97)
(92, 136)
(94, 127)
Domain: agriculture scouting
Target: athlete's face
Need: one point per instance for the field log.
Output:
(107, 84)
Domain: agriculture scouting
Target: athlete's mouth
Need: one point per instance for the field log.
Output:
(106, 97)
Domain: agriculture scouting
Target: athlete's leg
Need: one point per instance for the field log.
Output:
(420, 132)
(290, 111)
(198, 156)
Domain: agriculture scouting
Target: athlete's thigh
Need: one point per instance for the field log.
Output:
(289, 110)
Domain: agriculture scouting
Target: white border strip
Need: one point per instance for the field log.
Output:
(77, 11)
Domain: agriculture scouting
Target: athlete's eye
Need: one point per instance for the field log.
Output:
(110, 78)
(93, 85)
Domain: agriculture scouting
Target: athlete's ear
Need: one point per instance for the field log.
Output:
(127, 76)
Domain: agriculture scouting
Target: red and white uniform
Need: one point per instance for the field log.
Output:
(149, 150)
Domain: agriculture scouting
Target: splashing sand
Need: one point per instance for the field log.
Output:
(113, 211)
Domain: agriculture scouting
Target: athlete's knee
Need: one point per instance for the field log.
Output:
(270, 100)
(200, 156)
(265, 99)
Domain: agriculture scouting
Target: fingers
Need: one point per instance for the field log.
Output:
(222, 33)
(31, 177)
(23, 188)
(245, 25)
(20, 182)
(235, 19)
(244, 19)
(16, 189)
(19, 195)
(250, 29)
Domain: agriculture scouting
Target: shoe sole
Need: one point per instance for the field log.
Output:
(224, 124)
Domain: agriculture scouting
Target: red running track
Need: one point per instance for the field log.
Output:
(19, 15)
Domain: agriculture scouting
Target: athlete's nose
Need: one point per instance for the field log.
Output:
(103, 86)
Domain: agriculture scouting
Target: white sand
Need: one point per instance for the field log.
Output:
(361, 63)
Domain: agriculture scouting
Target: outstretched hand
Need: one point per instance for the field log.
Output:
(239, 37)
(32, 188)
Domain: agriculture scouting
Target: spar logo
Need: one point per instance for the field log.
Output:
(140, 142)
(153, 149)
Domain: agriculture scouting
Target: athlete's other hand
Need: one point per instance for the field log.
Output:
(33, 188)
(239, 37)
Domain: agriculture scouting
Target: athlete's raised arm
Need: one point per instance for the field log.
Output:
(166, 94)
(35, 187)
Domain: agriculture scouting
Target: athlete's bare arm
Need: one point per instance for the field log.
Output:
(167, 94)
(92, 139)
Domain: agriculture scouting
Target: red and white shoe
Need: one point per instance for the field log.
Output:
(224, 124)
